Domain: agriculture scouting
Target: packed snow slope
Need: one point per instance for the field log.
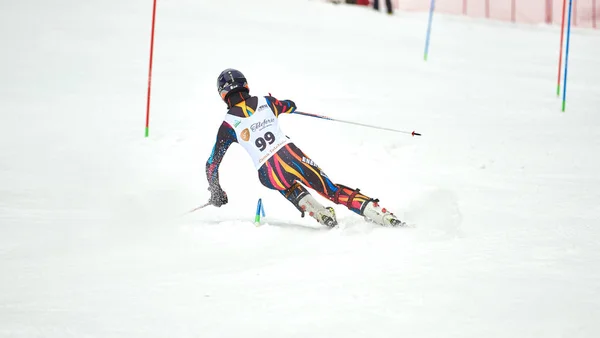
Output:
(502, 190)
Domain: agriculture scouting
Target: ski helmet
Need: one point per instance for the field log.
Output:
(230, 81)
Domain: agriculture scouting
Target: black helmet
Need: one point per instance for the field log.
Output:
(231, 81)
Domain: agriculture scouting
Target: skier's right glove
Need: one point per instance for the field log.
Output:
(217, 197)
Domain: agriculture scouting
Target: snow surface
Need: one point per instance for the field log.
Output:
(503, 188)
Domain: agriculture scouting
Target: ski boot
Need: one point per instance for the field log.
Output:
(306, 203)
(325, 216)
(374, 213)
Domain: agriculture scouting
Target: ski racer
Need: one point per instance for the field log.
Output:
(252, 121)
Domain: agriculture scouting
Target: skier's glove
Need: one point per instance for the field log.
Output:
(217, 197)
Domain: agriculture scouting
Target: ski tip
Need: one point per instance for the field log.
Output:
(415, 134)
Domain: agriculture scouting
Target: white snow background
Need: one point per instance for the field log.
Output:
(503, 189)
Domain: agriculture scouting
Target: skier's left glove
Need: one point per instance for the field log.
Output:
(217, 196)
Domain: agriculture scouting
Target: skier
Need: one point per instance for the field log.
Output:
(388, 4)
(252, 121)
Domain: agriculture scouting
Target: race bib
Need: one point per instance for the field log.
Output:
(259, 133)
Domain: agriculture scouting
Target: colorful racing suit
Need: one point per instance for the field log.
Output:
(252, 122)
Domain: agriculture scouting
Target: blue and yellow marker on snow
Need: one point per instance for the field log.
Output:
(260, 209)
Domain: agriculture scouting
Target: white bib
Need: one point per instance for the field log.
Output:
(259, 133)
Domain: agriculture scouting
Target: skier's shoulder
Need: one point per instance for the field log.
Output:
(271, 99)
(280, 106)
(227, 129)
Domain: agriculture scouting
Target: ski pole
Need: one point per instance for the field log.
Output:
(200, 207)
(413, 133)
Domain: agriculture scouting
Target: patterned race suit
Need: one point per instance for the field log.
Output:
(252, 122)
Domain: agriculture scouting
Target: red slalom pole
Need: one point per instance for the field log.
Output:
(150, 69)
(562, 36)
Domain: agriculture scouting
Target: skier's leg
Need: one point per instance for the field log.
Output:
(306, 203)
(307, 172)
(365, 206)
(275, 176)
(388, 4)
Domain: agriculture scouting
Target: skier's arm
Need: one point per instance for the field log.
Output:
(225, 137)
(281, 107)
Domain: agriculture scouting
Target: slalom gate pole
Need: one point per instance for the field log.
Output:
(150, 70)
(431, 10)
(560, 55)
(259, 210)
(413, 133)
(564, 103)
